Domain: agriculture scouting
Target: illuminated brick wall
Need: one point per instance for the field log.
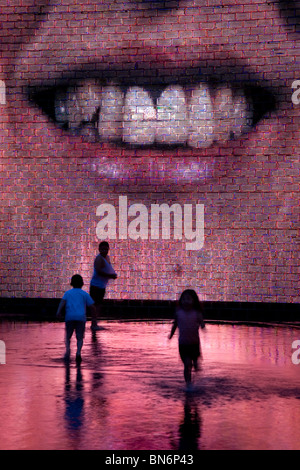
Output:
(189, 79)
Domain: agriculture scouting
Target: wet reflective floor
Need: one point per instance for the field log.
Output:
(129, 391)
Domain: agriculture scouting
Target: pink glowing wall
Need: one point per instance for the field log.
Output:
(53, 179)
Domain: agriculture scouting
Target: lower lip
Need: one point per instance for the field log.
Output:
(177, 169)
(152, 167)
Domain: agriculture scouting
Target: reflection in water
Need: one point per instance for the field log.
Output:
(190, 428)
(74, 400)
(129, 392)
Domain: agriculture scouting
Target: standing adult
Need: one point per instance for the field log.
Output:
(103, 272)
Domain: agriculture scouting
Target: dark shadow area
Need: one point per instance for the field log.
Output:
(45, 310)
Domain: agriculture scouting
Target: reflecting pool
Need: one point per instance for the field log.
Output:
(129, 392)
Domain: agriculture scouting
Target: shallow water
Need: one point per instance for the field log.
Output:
(129, 392)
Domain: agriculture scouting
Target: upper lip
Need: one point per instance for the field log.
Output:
(144, 70)
(155, 66)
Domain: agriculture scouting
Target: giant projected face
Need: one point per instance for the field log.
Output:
(122, 116)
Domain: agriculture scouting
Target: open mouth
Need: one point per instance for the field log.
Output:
(177, 112)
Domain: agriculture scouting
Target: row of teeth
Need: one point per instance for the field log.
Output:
(195, 116)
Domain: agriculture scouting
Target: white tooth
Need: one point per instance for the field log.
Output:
(223, 113)
(242, 114)
(88, 94)
(79, 103)
(111, 114)
(2, 93)
(60, 108)
(139, 117)
(201, 117)
(88, 132)
(172, 116)
(73, 110)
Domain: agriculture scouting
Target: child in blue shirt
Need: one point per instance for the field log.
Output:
(75, 303)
